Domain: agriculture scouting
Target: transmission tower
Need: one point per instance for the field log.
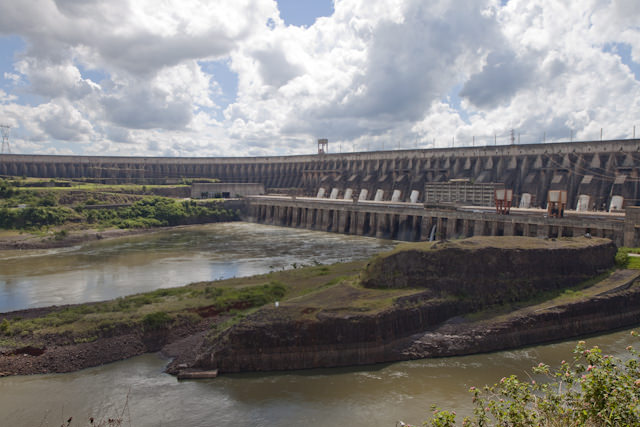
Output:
(6, 148)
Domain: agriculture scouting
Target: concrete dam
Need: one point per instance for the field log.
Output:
(596, 175)
(599, 169)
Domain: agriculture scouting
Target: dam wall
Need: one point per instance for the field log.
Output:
(597, 169)
(417, 222)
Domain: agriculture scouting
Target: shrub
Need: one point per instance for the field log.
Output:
(594, 390)
(4, 326)
(156, 320)
(622, 257)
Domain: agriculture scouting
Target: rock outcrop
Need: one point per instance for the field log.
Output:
(442, 283)
(491, 270)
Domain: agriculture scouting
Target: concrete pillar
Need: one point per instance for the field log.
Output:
(395, 197)
(466, 227)
(494, 228)
(440, 233)
(297, 216)
(542, 230)
(404, 228)
(379, 195)
(348, 194)
(425, 229)
(451, 227)
(509, 228)
(321, 192)
(381, 225)
(342, 221)
(334, 194)
(394, 227)
(355, 227)
(363, 194)
(414, 196)
(478, 227)
(324, 224)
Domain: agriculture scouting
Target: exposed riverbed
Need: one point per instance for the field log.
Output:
(127, 265)
(367, 396)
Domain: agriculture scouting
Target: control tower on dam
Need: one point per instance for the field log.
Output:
(594, 173)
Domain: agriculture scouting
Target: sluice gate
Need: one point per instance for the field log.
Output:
(593, 173)
(417, 222)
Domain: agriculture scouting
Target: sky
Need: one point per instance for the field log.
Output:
(263, 77)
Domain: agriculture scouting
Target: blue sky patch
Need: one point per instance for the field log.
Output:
(94, 75)
(9, 47)
(623, 50)
(304, 12)
(227, 80)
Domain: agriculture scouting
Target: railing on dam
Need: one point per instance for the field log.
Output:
(416, 222)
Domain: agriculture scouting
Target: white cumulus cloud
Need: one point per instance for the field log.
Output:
(131, 77)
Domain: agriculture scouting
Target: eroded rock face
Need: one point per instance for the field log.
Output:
(492, 270)
(279, 340)
(457, 278)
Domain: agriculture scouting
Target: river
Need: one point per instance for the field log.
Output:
(111, 268)
(377, 395)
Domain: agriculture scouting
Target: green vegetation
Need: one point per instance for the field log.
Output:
(149, 311)
(625, 260)
(594, 390)
(126, 206)
(155, 212)
(225, 302)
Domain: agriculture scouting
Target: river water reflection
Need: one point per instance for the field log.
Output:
(369, 396)
(112, 268)
(377, 395)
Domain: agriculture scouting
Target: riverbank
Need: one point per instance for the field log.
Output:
(23, 240)
(325, 317)
(57, 215)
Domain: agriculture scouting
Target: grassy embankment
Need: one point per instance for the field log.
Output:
(302, 292)
(39, 206)
(230, 300)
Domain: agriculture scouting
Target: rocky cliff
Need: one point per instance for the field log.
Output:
(491, 270)
(402, 296)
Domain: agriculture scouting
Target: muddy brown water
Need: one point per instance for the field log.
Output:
(137, 388)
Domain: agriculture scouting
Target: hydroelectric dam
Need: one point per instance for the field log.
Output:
(387, 193)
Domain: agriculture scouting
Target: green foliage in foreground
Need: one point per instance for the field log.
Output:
(594, 390)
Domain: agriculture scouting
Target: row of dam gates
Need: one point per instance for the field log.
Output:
(386, 194)
(417, 222)
(596, 170)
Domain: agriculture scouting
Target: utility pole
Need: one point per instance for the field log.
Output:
(6, 148)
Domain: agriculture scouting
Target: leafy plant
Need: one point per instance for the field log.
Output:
(622, 257)
(156, 320)
(594, 390)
